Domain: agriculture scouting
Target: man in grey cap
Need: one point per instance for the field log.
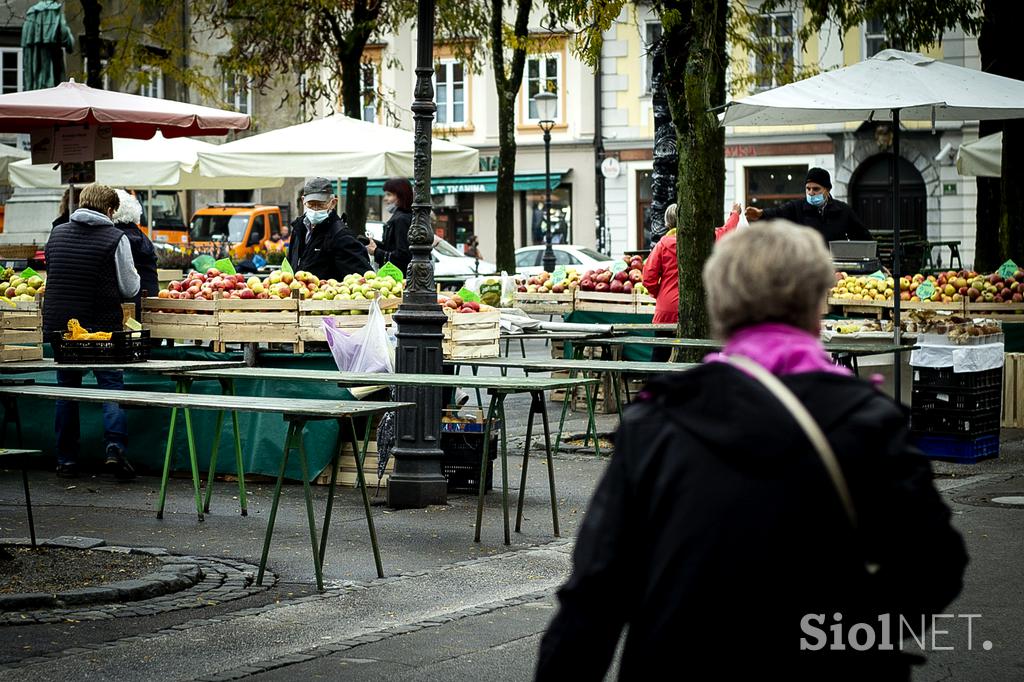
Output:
(321, 242)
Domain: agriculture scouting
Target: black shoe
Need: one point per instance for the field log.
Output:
(67, 470)
(118, 465)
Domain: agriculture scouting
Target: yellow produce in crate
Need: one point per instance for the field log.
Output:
(76, 332)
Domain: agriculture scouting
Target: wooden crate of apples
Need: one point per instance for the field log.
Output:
(540, 293)
(472, 330)
(618, 289)
(347, 303)
(21, 333)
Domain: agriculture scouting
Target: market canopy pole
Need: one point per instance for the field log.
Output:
(897, 369)
(417, 480)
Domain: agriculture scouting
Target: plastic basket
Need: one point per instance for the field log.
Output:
(970, 399)
(121, 348)
(962, 450)
(945, 377)
(460, 461)
(955, 422)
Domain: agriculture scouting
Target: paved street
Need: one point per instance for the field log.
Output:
(449, 609)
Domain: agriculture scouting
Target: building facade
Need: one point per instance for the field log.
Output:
(766, 165)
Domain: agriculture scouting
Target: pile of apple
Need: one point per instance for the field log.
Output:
(953, 287)
(306, 285)
(543, 284)
(457, 304)
(21, 289)
(626, 281)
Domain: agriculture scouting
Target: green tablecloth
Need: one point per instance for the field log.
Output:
(636, 353)
(262, 434)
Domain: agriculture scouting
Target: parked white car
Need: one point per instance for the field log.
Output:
(448, 260)
(529, 259)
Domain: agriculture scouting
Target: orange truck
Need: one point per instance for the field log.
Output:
(235, 229)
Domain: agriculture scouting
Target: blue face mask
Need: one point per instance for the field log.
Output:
(816, 199)
(317, 217)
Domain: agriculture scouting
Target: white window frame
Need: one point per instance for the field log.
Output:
(559, 84)
(647, 84)
(156, 79)
(866, 36)
(16, 51)
(795, 47)
(232, 92)
(369, 100)
(449, 63)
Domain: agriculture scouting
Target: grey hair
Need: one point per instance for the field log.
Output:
(129, 211)
(774, 272)
(670, 216)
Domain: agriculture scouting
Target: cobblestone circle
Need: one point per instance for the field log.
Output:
(183, 582)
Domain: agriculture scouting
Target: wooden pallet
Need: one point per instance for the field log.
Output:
(346, 315)
(1013, 391)
(545, 304)
(469, 336)
(180, 320)
(603, 302)
(21, 334)
(880, 309)
(347, 474)
(260, 320)
(1010, 312)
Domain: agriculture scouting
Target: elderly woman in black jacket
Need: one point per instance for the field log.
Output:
(720, 535)
(394, 243)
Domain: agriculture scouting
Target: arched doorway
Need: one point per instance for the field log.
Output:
(871, 200)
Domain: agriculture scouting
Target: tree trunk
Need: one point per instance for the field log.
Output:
(507, 84)
(92, 10)
(695, 60)
(351, 102)
(1011, 234)
(986, 246)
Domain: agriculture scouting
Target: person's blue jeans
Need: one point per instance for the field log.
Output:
(115, 426)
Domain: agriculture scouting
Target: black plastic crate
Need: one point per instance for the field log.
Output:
(940, 422)
(945, 377)
(460, 461)
(973, 399)
(130, 346)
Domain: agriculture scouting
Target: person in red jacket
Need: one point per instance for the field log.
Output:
(661, 275)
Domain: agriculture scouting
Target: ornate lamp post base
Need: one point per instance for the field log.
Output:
(417, 480)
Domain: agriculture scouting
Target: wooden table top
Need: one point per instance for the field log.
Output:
(148, 366)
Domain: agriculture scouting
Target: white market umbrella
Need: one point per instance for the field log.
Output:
(335, 146)
(9, 155)
(157, 163)
(889, 86)
(983, 157)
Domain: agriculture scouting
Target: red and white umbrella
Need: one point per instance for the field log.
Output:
(132, 116)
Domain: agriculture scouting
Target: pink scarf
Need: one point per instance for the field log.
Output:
(780, 349)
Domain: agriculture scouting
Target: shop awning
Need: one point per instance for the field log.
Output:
(481, 182)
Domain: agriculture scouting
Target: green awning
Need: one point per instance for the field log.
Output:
(481, 182)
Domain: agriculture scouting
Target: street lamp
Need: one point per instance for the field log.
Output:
(547, 109)
(417, 480)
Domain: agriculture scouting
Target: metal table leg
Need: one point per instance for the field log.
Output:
(551, 463)
(504, 467)
(28, 497)
(308, 492)
(277, 498)
(484, 461)
(227, 388)
(526, 461)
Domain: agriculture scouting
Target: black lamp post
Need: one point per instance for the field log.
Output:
(547, 109)
(417, 480)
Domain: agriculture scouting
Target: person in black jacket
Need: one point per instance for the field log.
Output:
(833, 219)
(717, 535)
(321, 242)
(394, 243)
(126, 218)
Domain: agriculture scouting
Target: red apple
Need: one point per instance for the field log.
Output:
(627, 287)
(601, 286)
(615, 287)
(246, 293)
(636, 276)
(213, 272)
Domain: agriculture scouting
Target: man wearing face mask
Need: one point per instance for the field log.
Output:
(833, 219)
(321, 242)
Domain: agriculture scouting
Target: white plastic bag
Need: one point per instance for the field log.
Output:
(367, 349)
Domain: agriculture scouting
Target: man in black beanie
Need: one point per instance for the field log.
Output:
(818, 209)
